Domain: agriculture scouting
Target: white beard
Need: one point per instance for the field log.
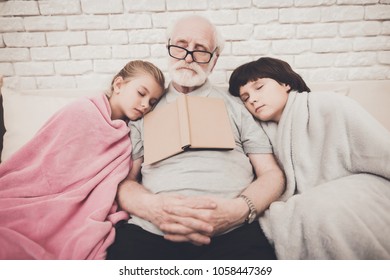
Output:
(187, 78)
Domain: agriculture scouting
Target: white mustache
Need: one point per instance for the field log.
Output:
(183, 64)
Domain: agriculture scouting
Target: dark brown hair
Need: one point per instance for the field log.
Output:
(266, 67)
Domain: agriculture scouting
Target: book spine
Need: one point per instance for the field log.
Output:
(184, 122)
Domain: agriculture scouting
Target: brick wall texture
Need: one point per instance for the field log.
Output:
(83, 43)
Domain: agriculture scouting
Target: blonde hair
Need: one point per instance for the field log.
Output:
(138, 67)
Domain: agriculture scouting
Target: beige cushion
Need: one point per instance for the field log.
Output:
(374, 96)
(26, 111)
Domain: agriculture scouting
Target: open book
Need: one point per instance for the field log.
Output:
(191, 122)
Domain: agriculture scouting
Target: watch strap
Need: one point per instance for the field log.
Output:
(252, 209)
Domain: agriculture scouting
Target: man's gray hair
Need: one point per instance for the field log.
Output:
(219, 41)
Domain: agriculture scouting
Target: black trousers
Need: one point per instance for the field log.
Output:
(247, 242)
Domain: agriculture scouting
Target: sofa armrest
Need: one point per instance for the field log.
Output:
(2, 128)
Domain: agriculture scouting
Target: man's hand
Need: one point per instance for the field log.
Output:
(137, 200)
(265, 189)
(184, 221)
(195, 229)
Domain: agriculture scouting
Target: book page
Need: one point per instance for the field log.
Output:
(161, 133)
(184, 124)
(210, 126)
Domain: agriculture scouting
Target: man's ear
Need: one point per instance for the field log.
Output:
(118, 82)
(214, 62)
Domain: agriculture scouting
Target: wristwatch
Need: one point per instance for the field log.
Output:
(252, 210)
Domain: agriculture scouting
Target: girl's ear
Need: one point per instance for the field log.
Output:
(117, 84)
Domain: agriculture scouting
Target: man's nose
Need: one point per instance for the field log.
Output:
(189, 58)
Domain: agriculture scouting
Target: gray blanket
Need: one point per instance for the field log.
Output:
(337, 163)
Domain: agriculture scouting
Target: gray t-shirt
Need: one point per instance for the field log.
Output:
(204, 172)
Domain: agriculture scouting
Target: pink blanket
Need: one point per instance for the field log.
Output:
(57, 193)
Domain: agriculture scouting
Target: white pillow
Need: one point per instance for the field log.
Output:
(26, 111)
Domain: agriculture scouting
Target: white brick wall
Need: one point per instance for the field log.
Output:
(83, 43)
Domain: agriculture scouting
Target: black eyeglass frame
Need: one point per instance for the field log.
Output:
(191, 53)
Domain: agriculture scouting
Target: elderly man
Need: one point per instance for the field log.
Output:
(199, 204)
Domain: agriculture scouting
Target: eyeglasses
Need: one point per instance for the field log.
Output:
(201, 57)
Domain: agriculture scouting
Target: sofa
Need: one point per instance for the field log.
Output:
(23, 112)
